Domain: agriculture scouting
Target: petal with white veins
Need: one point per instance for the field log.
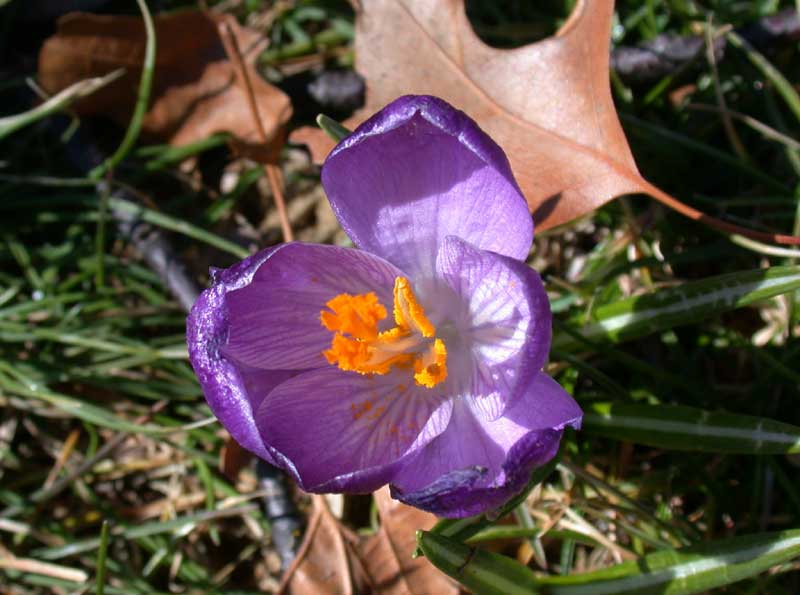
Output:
(418, 171)
(341, 431)
(275, 319)
(476, 465)
(502, 324)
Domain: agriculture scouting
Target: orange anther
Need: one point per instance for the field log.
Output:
(358, 346)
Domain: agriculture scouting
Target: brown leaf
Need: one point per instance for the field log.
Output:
(388, 552)
(328, 561)
(548, 104)
(335, 561)
(232, 459)
(195, 90)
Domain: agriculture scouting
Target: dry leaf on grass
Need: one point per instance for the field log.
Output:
(333, 560)
(548, 104)
(195, 89)
(388, 552)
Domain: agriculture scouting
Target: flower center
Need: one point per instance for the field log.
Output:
(358, 346)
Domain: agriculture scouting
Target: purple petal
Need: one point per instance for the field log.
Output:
(418, 171)
(274, 322)
(233, 390)
(343, 432)
(504, 323)
(475, 465)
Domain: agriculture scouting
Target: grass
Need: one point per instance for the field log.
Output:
(104, 430)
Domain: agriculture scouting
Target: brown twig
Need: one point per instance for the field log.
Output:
(44, 568)
(63, 455)
(718, 224)
(273, 171)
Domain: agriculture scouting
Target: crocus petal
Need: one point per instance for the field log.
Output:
(504, 323)
(233, 390)
(476, 465)
(275, 318)
(343, 432)
(418, 171)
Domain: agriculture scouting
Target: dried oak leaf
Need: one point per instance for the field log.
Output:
(548, 104)
(327, 562)
(333, 560)
(195, 91)
(388, 553)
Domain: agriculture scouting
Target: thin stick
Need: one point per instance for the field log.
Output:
(766, 131)
(718, 224)
(272, 170)
(275, 178)
(63, 456)
(44, 568)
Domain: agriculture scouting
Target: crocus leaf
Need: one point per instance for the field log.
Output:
(482, 572)
(666, 308)
(195, 90)
(547, 104)
(332, 128)
(688, 428)
(671, 572)
(680, 572)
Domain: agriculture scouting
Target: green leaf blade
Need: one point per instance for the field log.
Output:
(678, 427)
(664, 309)
(682, 572)
(484, 573)
(673, 572)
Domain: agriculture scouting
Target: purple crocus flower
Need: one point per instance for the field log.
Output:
(415, 360)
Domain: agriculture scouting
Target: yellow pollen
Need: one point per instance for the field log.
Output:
(358, 346)
(430, 368)
(408, 313)
(356, 315)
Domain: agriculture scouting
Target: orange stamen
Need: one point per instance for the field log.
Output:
(430, 368)
(408, 312)
(358, 346)
(356, 315)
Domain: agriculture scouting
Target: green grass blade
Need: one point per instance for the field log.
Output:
(126, 207)
(181, 523)
(102, 551)
(673, 572)
(56, 103)
(677, 427)
(142, 99)
(332, 128)
(780, 82)
(681, 572)
(483, 573)
(657, 134)
(664, 309)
